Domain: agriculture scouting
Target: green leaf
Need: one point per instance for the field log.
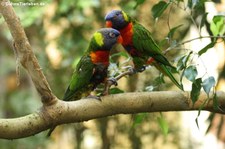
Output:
(195, 91)
(163, 124)
(172, 31)
(196, 121)
(138, 2)
(210, 119)
(214, 29)
(160, 79)
(159, 8)
(217, 25)
(203, 20)
(190, 4)
(208, 84)
(191, 73)
(206, 48)
(182, 62)
(138, 118)
(115, 90)
(219, 21)
(199, 112)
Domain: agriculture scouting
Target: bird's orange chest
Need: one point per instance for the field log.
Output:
(127, 34)
(100, 57)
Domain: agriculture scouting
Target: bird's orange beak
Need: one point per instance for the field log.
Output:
(120, 39)
(108, 24)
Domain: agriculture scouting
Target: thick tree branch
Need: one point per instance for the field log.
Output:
(25, 54)
(86, 109)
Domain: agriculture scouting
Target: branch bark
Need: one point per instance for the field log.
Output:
(24, 53)
(86, 109)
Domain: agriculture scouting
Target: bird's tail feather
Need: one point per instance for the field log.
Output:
(166, 71)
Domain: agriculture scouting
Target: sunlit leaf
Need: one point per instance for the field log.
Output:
(196, 88)
(219, 21)
(191, 73)
(206, 48)
(214, 29)
(208, 83)
(217, 26)
(159, 8)
(163, 124)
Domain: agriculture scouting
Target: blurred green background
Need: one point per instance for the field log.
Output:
(59, 32)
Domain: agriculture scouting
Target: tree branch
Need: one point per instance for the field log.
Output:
(86, 109)
(25, 54)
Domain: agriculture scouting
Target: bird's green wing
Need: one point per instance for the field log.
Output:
(81, 77)
(144, 43)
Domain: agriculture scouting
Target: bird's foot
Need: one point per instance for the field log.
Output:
(108, 84)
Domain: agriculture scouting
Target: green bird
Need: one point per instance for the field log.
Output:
(138, 42)
(91, 70)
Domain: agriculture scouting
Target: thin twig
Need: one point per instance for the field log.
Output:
(190, 40)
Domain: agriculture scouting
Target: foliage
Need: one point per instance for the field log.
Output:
(159, 8)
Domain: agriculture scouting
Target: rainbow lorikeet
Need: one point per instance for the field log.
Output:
(92, 67)
(91, 70)
(138, 42)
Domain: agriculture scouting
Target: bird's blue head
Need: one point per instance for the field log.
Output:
(117, 19)
(106, 38)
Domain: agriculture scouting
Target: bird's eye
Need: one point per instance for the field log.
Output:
(112, 35)
(117, 14)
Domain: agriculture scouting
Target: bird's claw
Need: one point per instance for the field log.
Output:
(108, 84)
